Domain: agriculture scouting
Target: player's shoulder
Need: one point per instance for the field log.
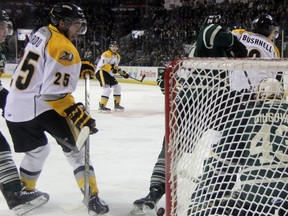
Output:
(107, 54)
(240, 31)
(61, 48)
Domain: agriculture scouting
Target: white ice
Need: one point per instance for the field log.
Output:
(123, 153)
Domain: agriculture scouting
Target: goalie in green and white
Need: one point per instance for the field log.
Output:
(248, 169)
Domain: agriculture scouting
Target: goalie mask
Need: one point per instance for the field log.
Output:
(71, 14)
(265, 25)
(269, 88)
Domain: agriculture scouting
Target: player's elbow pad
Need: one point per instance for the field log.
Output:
(62, 104)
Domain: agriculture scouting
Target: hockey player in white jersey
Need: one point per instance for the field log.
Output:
(18, 200)
(40, 100)
(259, 44)
(107, 66)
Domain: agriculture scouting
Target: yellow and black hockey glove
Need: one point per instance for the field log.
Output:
(124, 74)
(87, 68)
(115, 69)
(80, 117)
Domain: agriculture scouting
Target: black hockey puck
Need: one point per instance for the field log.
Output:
(160, 211)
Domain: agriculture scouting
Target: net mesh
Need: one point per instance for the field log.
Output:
(226, 145)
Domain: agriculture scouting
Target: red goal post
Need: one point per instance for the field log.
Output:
(226, 152)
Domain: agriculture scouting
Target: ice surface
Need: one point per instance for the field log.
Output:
(123, 152)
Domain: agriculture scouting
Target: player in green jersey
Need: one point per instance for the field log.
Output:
(253, 148)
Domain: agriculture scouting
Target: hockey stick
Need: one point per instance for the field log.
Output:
(65, 143)
(82, 137)
(139, 80)
(87, 144)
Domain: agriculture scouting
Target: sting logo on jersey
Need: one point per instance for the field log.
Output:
(66, 56)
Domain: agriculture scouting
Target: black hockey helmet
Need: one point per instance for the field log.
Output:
(264, 25)
(5, 18)
(67, 12)
(113, 43)
(212, 19)
(113, 46)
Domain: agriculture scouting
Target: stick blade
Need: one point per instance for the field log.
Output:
(82, 137)
(143, 77)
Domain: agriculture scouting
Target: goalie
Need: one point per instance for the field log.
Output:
(254, 147)
(106, 68)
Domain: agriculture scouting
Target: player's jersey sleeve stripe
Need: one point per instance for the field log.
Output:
(212, 36)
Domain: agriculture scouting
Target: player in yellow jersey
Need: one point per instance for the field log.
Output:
(40, 100)
(107, 66)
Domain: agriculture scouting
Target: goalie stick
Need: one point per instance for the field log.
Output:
(139, 80)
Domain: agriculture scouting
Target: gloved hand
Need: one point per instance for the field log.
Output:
(3, 95)
(87, 68)
(124, 74)
(115, 68)
(80, 117)
(237, 50)
(160, 83)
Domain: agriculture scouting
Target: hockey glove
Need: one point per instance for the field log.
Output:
(237, 50)
(160, 83)
(3, 95)
(87, 68)
(80, 117)
(115, 69)
(124, 74)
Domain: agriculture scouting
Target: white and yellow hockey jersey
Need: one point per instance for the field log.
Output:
(258, 46)
(49, 68)
(108, 58)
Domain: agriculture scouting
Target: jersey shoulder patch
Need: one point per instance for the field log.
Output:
(107, 54)
(62, 50)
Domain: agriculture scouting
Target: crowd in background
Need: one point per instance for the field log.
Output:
(160, 33)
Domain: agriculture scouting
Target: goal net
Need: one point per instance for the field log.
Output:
(226, 137)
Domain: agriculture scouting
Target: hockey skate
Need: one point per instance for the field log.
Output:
(25, 201)
(117, 106)
(144, 205)
(97, 206)
(102, 107)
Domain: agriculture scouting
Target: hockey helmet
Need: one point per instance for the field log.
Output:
(264, 25)
(5, 18)
(113, 46)
(269, 88)
(212, 19)
(69, 13)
